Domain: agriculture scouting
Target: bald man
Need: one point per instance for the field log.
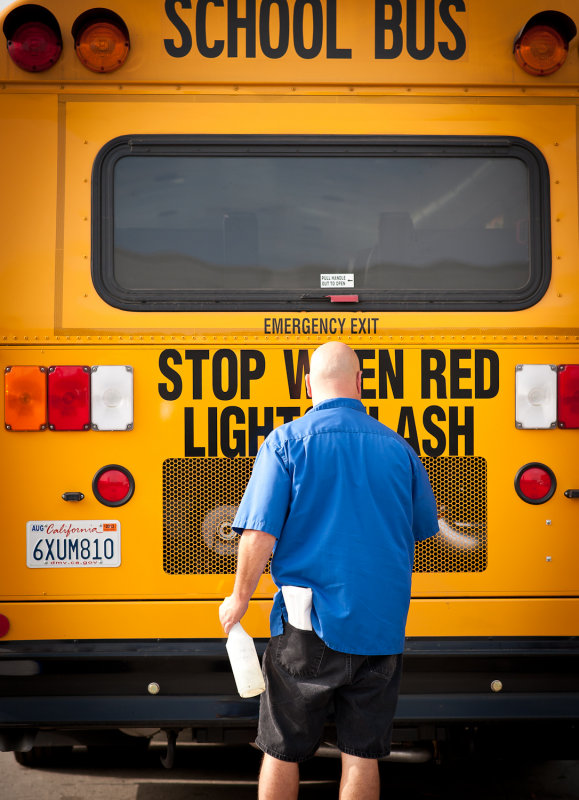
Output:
(340, 499)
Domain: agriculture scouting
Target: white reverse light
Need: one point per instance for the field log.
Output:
(112, 398)
(536, 396)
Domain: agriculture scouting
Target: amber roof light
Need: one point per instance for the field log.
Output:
(542, 44)
(101, 40)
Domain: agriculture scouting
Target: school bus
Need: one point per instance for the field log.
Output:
(198, 193)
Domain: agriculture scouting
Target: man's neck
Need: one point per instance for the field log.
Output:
(321, 397)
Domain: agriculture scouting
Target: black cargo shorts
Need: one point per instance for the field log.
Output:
(304, 679)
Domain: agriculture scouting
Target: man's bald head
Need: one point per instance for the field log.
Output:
(334, 372)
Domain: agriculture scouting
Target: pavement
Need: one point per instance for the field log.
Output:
(216, 772)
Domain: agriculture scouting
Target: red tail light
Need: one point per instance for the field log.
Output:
(568, 395)
(33, 38)
(4, 625)
(113, 485)
(535, 483)
(69, 398)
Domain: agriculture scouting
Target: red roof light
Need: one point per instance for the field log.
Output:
(34, 47)
(33, 37)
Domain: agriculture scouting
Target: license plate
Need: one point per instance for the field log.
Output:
(73, 543)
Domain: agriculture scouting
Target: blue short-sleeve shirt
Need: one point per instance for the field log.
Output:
(346, 499)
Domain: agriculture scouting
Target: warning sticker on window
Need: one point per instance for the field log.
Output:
(343, 280)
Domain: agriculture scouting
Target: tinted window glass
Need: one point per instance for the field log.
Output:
(184, 222)
(254, 223)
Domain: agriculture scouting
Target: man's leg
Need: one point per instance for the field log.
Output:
(278, 780)
(360, 778)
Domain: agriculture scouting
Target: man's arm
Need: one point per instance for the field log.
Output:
(255, 548)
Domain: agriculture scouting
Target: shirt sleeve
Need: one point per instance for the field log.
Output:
(424, 517)
(265, 503)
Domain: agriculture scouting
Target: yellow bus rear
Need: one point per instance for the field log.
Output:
(197, 195)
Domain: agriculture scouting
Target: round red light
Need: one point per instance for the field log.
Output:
(4, 625)
(113, 485)
(535, 483)
(34, 47)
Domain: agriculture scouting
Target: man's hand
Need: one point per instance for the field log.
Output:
(231, 611)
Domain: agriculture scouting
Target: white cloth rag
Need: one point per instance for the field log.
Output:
(298, 603)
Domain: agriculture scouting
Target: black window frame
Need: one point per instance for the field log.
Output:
(102, 264)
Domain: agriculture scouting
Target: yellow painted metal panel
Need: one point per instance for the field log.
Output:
(127, 620)
(82, 127)
(28, 146)
(199, 619)
(494, 617)
(346, 43)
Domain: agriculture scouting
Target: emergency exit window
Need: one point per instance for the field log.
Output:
(265, 223)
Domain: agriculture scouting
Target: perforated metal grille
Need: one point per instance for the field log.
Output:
(460, 486)
(200, 497)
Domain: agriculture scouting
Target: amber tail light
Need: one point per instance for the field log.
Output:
(25, 398)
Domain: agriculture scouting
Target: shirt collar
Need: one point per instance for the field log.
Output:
(339, 402)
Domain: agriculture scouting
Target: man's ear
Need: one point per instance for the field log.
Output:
(308, 386)
(359, 383)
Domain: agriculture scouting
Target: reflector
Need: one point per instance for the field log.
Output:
(112, 398)
(25, 398)
(69, 398)
(113, 485)
(4, 625)
(536, 396)
(35, 46)
(568, 396)
(535, 483)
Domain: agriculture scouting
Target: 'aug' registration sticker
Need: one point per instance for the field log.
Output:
(73, 543)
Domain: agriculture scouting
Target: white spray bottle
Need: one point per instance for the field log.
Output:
(244, 662)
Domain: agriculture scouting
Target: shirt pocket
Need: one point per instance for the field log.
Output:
(300, 653)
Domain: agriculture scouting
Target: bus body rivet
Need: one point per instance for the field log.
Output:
(497, 686)
(153, 688)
